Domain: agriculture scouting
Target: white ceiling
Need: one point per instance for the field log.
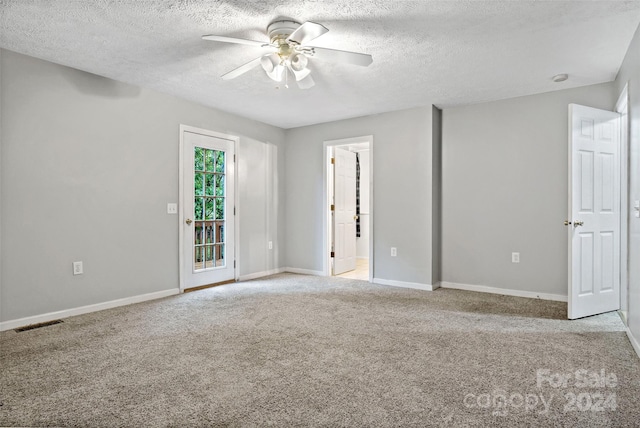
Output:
(445, 53)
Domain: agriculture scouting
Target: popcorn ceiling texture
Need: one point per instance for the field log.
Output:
(425, 52)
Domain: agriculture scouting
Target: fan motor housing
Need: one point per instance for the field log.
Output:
(280, 30)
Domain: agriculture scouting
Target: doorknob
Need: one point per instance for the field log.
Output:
(188, 221)
(577, 223)
(567, 222)
(355, 217)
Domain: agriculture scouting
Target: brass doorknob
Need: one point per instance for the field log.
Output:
(355, 217)
(577, 223)
(188, 221)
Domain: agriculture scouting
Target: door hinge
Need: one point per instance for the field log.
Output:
(333, 254)
(234, 210)
(234, 158)
(333, 207)
(333, 160)
(234, 264)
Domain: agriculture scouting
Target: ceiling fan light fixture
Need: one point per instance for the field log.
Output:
(270, 62)
(306, 82)
(299, 61)
(299, 74)
(277, 73)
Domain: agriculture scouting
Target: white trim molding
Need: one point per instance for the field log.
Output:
(403, 284)
(66, 313)
(504, 291)
(634, 342)
(262, 274)
(304, 271)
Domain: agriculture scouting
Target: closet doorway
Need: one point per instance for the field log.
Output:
(348, 217)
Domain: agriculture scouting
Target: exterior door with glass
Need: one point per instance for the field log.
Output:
(208, 209)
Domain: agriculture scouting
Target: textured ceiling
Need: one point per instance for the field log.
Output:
(425, 52)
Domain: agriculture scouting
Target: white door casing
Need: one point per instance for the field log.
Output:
(207, 217)
(594, 211)
(345, 211)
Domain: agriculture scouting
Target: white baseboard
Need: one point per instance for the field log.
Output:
(403, 284)
(504, 291)
(304, 271)
(260, 274)
(36, 319)
(634, 342)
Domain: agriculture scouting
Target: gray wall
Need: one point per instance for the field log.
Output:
(505, 167)
(88, 166)
(630, 72)
(402, 194)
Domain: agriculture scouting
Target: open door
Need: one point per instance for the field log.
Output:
(208, 218)
(594, 211)
(344, 237)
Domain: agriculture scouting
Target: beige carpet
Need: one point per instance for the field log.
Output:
(293, 350)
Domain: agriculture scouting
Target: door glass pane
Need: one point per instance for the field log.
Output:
(199, 159)
(219, 208)
(198, 184)
(220, 255)
(198, 232)
(197, 208)
(209, 208)
(219, 185)
(209, 232)
(209, 159)
(210, 184)
(220, 162)
(198, 259)
(209, 256)
(219, 231)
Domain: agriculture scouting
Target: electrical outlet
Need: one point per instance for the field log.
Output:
(515, 257)
(77, 268)
(271, 245)
(172, 208)
(394, 251)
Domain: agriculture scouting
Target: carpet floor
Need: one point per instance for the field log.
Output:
(294, 350)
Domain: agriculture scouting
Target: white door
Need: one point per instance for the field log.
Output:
(344, 238)
(208, 210)
(594, 211)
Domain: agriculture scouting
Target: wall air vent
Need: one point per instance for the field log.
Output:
(39, 325)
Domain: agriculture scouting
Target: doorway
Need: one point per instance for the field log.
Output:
(207, 214)
(348, 208)
(598, 210)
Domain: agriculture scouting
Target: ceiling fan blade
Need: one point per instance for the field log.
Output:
(307, 32)
(335, 55)
(242, 69)
(235, 40)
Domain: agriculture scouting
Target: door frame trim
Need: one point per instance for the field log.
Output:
(623, 102)
(326, 213)
(236, 220)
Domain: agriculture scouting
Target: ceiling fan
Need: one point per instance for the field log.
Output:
(289, 53)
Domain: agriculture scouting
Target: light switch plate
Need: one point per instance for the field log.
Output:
(172, 208)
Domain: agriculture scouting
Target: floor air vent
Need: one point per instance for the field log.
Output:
(39, 325)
